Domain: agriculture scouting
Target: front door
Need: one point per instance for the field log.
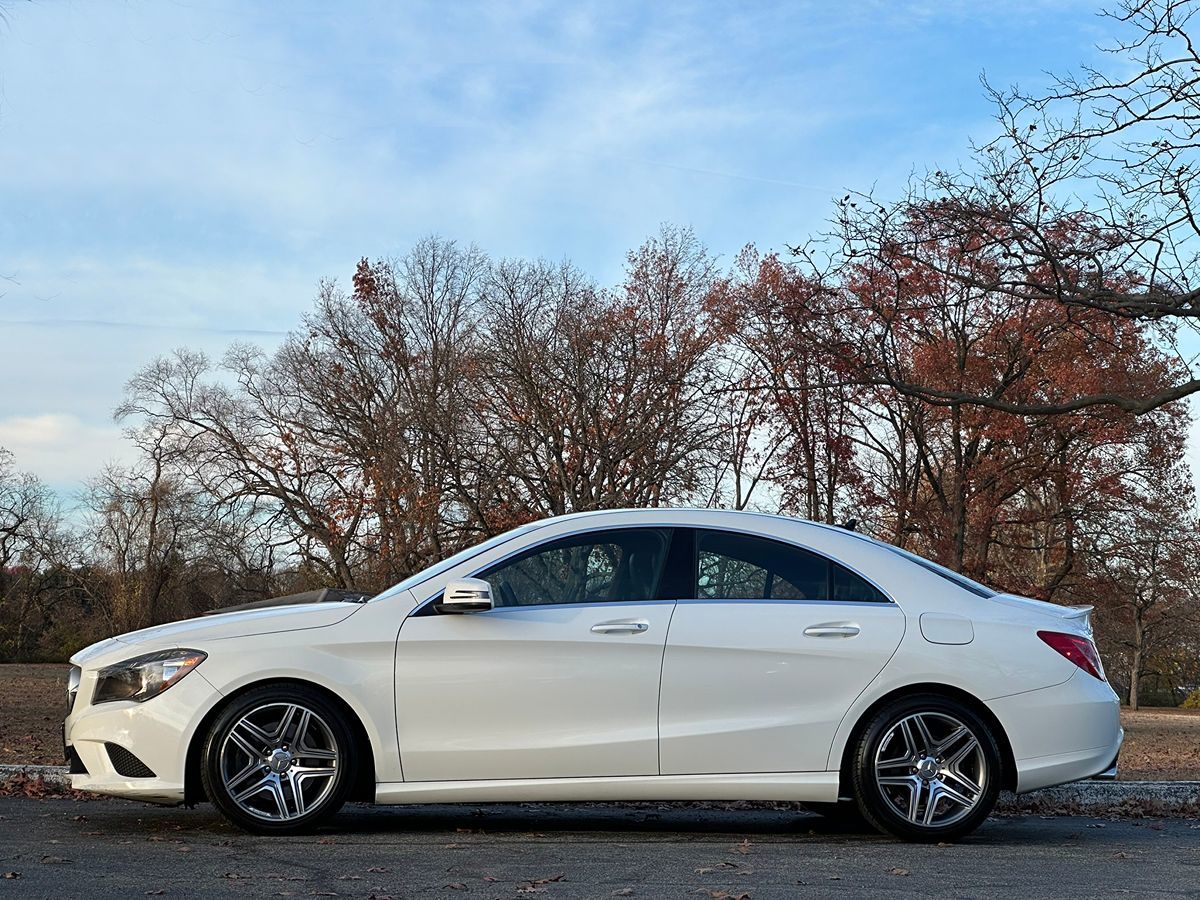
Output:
(560, 679)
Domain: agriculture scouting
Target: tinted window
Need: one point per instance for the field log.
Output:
(603, 566)
(846, 586)
(732, 566)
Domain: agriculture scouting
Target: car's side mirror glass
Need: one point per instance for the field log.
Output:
(467, 595)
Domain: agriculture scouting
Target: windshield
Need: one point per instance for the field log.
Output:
(451, 561)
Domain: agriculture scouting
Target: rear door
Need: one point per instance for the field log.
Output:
(766, 656)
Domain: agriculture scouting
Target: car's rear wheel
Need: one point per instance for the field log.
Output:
(279, 760)
(926, 768)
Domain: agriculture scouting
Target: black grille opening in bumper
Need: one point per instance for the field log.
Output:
(75, 765)
(126, 763)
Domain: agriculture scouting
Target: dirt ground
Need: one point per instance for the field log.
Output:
(33, 703)
(1160, 744)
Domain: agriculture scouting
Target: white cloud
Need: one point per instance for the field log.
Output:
(60, 448)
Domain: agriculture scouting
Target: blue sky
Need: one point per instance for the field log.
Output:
(183, 173)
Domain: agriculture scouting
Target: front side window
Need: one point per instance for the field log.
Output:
(618, 565)
(733, 566)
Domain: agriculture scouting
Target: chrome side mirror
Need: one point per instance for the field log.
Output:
(466, 596)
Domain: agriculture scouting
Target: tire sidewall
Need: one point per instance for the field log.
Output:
(214, 786)
(874, 804)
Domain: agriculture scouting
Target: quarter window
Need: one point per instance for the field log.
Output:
(619, 565)
(733, 566)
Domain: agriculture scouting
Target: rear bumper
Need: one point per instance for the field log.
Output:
(1063, 733)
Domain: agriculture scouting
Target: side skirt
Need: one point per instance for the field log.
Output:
(814, 787)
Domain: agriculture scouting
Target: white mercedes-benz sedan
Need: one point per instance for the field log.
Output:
(624, 655)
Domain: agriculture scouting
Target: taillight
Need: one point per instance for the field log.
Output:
(1077, 649)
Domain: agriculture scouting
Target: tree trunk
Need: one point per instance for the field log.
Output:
(1135, 666)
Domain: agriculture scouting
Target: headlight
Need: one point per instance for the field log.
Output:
(146, 676)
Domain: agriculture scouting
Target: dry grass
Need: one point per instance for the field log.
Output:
(1160, 744)
(33, 702)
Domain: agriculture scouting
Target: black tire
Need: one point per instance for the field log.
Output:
(941, 767)
(306, 764)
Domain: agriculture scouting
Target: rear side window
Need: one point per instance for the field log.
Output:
(733, 566)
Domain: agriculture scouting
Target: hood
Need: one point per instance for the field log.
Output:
(1073, 618)
(195, 633)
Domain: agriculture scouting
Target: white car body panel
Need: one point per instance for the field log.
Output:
(530, 692)
(732, 683)
(526, 703)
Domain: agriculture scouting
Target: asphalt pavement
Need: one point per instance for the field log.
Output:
(60, 848)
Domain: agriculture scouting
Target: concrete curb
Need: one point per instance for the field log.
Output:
(1082, 796)
(56, 776)
(1086, 796)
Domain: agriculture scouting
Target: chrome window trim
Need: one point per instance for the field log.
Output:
(888, 601)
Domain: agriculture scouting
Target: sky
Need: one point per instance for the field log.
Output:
(184, 173)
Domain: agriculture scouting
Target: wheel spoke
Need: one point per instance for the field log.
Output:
(258, 786)
(297, 787)
(315, 753)
(950, 740)
(927, 741)
(932, 796)
(970, 788)
(250, 738)
(314, 771)
(944, 790)
(301, 731)
(276, 790)
(255, 765)
(279, 735)
(914, 799)
(962, 752)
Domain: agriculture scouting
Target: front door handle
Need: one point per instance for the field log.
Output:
(621, 626)
(832, 630)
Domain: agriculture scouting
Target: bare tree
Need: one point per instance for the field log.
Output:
(592, 399)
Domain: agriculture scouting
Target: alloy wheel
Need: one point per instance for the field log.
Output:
(279, 761)
(931, 769)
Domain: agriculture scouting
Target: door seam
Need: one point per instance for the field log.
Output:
(658, 706)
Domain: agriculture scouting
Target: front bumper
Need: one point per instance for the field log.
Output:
(157, 732)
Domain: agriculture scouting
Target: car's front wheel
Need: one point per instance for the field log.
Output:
(279, 760)
(927, 768)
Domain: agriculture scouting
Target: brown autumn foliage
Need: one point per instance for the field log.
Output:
(442, 397)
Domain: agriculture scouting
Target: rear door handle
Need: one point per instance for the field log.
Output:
(832, 630)
(621, 626)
